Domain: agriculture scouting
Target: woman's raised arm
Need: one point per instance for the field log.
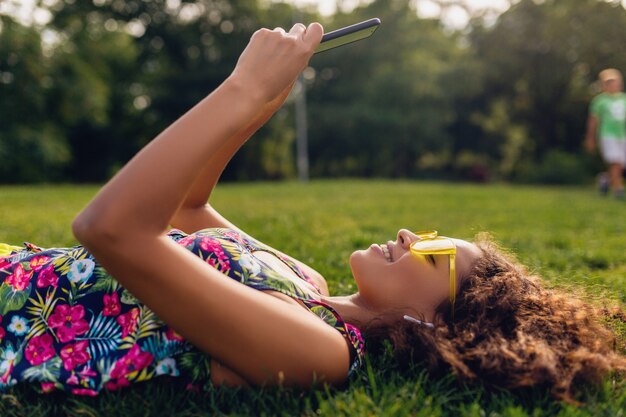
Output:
(260, 337)
(142, 195)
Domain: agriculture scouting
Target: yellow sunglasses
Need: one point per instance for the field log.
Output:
(430, 243)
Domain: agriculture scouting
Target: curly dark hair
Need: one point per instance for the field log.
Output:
(508, 330)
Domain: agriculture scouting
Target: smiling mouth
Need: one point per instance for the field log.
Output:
(386, 252)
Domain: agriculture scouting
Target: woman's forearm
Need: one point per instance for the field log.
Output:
(147, 192)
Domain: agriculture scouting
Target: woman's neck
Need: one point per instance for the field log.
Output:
(354, 310)
(351, 308)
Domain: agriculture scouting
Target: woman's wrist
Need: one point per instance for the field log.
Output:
(247, 89)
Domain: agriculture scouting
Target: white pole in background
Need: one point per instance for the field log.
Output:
(302, 139)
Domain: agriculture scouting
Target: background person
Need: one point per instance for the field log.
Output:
(606, 126)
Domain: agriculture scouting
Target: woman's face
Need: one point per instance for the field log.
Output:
(390, 277)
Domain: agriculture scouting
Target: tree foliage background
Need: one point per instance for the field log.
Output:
(500, 99)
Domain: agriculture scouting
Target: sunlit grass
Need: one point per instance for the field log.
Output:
(570, 236)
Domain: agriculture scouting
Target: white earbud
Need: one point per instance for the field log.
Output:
(416, 321)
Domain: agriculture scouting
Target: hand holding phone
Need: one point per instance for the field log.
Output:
(348, 34)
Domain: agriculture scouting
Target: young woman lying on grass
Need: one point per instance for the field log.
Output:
(215, 306)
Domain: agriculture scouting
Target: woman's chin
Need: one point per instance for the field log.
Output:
(354, 266)
(354, 258)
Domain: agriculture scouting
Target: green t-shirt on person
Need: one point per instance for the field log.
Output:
(610, 109)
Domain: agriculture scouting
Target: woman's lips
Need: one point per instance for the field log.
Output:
(377, 248)
(384, 250)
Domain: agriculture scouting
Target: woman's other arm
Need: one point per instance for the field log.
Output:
(259, 337)
(195, 212)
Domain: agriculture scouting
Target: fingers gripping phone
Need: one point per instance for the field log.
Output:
(348, 34)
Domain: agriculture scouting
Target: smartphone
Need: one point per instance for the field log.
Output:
(348, 34)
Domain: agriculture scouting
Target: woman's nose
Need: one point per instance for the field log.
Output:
(406, 237)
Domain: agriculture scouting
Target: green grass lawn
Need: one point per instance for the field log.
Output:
(570, 236)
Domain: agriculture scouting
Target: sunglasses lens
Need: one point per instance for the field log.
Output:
(432, 246)
(429, 243)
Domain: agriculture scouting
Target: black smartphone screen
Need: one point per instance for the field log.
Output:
(348, 34)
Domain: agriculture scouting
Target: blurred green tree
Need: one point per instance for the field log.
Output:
(119, 72)
(381, 105)
(415, 100)
(159, 58)
(33, 146)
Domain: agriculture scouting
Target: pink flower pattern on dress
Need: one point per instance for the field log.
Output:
(84, 391)
(86, 373)
(135, 360)
(219, 259)
(47, 387)
(234, 236)
(47, 277)
(68, 322)
(39, 349)
(37, 262)
(73, 379)
(117, 384)
(112, 306)
(171, 334)
(19, 279)
(74, 354)
(128, 321)
(186, 241)
(4, 262)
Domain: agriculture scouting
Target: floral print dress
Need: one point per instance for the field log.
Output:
(66, 324)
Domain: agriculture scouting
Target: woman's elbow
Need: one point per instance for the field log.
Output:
(91, 231)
